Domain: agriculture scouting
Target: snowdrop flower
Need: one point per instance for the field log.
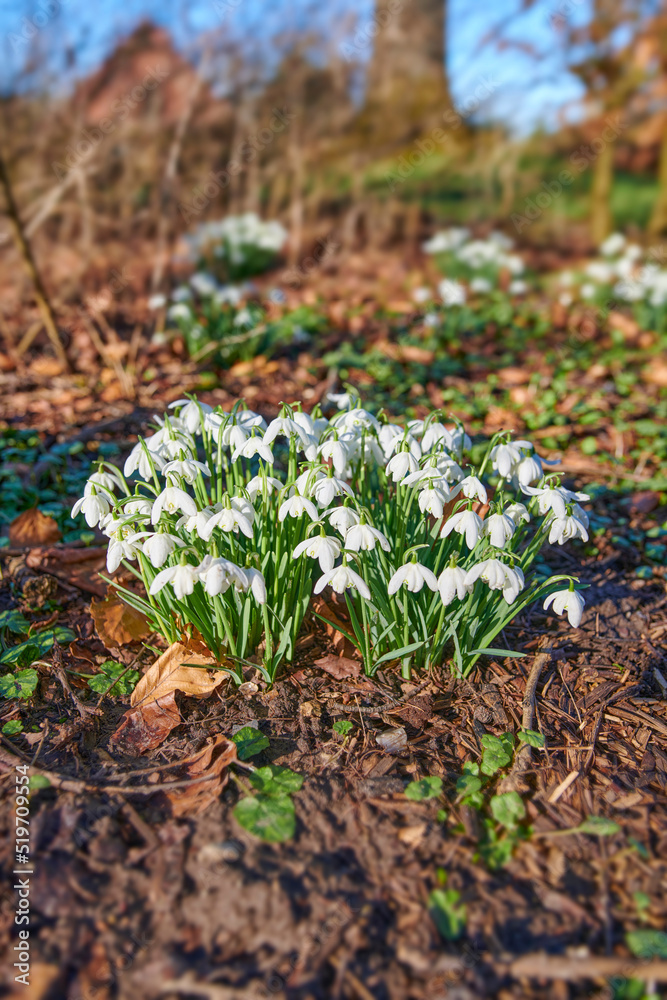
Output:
(472, 488)
(335, 450)
(528, 470)
(402, 440)
(421, 295)
(170, 500)
(158, 547)
(340, 579)
(554, 498)
(324, 548)
(139, 460)
(182, 578)
(179, 311)
(433, 501)
(390, 436)
(612, 246)
(434, 433)
(156, 302)
(451, 584)
(452, 293)
(431, 319)
(295, 506)
(498, 528)
(569, 601)
(517, 512)
(505, 457)
(204, 284)
(481, 285)
(412, 576)
(343, 400)
(305, 482)
(467, 523)
(185, 468)
(137, 507)
(517, 287)
(588, 291)
(122, 546)
(562, 529)
(400, 465)
(191, 414)
(229, 519)
(102, 481)
(363, 537)
(95, 507)
(342, 519)
(327, 488)
(181, 294)
(257, 584)
(356, 419)
(254, 446)
(498, 576)
(243, 318)
(217, 575)
(258, 483)
(285, 427)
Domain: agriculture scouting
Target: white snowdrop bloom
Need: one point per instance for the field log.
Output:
(139, 460)
(247, 419)
(412, 576)
(459, 441)
(472, 488)
(389, 436)
(123, 544)
(446, 240)
(569, 601)
(234, 436)
(498, 528)
(554, 498)
(342, 518)
(364, 537)
(179, 311)
(429, 477)
(505, 457)
(229, 519)
(343, 400)
(421, 295)
(182, 578)
(515, 265)
(356, 418)
(340, 579)
(481, 285)
(254, 446)
(337, 451)
(467, 523)
(137, 507)
(565, 299)
(401, 465)
(243, 318)
(204, 284)
(295, 506)
(102, 481)
(629, 291)
(451, 470)
(431, 319)
(305, 482)
(306, 422)
(372, 450)
(257, 584)
(401, 441)
(243, 507)
(257, 484)
(285, 427)
(433, 501)
(562, 529)
(517, 512)
(181, 294)
(329, 487)
(217, 575)
(588, 290)
(191, 414)
(528, 470)
(94, 507)
(452, 293)
(451, 584)
(175, 449)
(228, 295)
(613, 245)
(185, 468)
(324, 548)
(599, 271)
(517, 287)
(435, 433)
(498, 576)
(170, 500)
(156, 302)
(158, 547)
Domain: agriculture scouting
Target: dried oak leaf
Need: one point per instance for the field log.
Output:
(116, 623)
(211, 763)
(33, 528)
(147, 727)
(335, 628)
(339, 667)
(172, 672)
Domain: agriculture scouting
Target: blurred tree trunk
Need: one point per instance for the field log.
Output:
(658, 223)
(603, 177)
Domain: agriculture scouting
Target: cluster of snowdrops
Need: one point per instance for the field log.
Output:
(233, 524)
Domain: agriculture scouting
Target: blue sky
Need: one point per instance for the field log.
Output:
(528, 90)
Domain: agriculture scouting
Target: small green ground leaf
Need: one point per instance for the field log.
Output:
(507, 809)
(20, 685)
(531, 737)
(468, 784)
(15, 622)
(38, 781)
(269, 817)
(275, 780)
(647, 943)
(343, 727)
(109, 670)
(447, 915)
(249, 742)
(12, 727)
(599, 826)
(425, 788)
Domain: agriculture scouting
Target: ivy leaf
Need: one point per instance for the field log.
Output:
(507, 809)
(12, 727)
(647, 943)
(494, 756)
(109, 670)
(21, 685)
(447, 915)
(532, 738)
(275, 780)
(269, 817)
(468, 784)
(249, 742)
(598, 826)
(424, 789)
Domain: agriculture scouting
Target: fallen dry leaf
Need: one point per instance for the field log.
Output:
(77, 566)
(32, 528)
(147, 727)
(211, 762)
(333, 626)
(656, 373)
(339, 667)
(168, 674)
(116, 623)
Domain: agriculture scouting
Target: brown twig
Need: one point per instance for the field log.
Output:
(515, 780)
(83, 710)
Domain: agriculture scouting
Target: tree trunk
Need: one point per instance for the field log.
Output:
(603, 176)
(658, 223)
